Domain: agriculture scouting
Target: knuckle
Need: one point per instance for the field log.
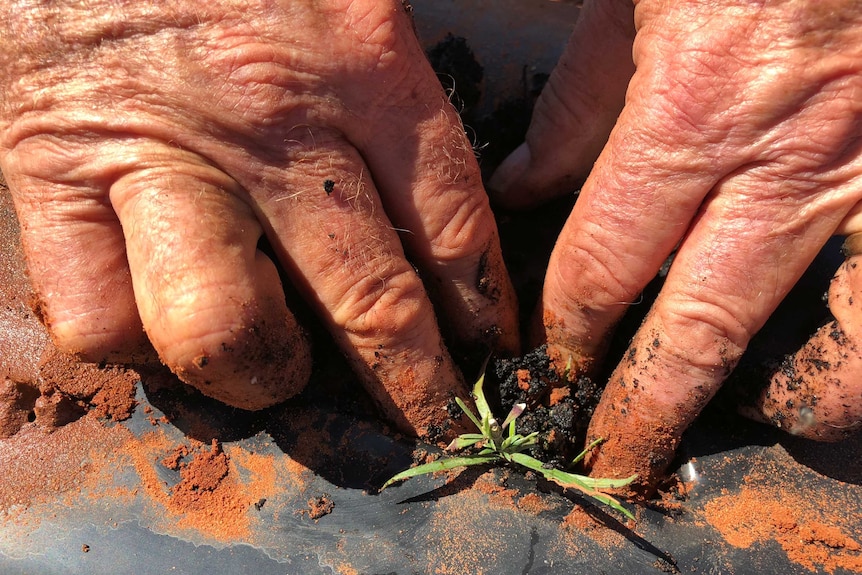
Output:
(374, 24)
(708, 336)
(594, 274)
(467, 231)
(379, 307)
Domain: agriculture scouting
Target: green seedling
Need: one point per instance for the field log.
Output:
(498, 443)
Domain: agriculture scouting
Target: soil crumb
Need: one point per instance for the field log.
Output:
(202, 474)
(65, 390)
(208, 499)
(319, 506)
(105, 390)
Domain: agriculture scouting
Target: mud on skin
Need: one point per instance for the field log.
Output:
(636, 438)
(810, 388)
(275, 364)
(792, 398)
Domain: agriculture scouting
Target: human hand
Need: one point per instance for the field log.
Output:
(150, 147)
(738, 145)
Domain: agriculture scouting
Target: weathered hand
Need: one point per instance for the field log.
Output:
(738, 145)
(150, 146)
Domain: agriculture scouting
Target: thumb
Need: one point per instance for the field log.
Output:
(576, 110)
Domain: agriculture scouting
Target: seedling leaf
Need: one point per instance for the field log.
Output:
(464, 441)
(468, 413)
(516, 443)
(441, 465)
(586, 450)
(481, 403)
(514, 413)
(590, 486)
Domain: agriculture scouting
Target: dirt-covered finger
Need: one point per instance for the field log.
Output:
(429, 181)
(633, 210)
(77, 262)
(728, 276)
(817, 392)
(576, 110)
(212, 304)
(330, 230)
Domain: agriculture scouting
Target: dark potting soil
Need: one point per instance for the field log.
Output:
(558, 410)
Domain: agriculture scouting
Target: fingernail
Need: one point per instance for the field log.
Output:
(503, 185)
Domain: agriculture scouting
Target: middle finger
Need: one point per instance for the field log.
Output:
(328, 226)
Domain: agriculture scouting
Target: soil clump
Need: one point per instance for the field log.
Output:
(319, 507)
(556, 408)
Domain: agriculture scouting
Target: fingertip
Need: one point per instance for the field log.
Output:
(651, 398)
(212, 304)
(573, 353)
(416, 396)
(504, 186)
(821, 403)
(524, 180)
(816, 392)
(127, 343)
(82, 291)
(610, 459)
(634, 440)
(249, 353)
(263, 361)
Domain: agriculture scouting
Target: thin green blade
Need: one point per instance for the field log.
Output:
(479, 398)
(586, 450)
(588, 485)
(441, 465)
(468, 412)
(464, 441)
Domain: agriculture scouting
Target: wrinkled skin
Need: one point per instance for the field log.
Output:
(149, 147)
(733, 135)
